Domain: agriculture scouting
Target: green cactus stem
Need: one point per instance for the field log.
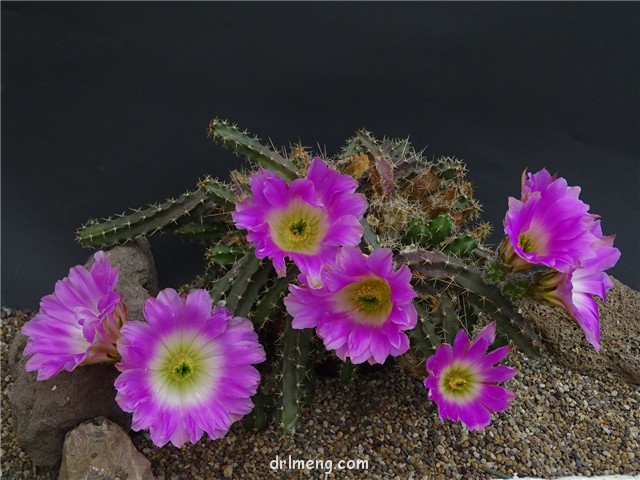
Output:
(451, 272)
(269, 304)
(347, 371)
(461, 246)
(219, 193)
(260, 416)
(241, 144)
(203, 232)
(243, 268)
(397, 148)
(168, 215)
(243, 276)
(424, 336)
(448, 168)
(294, 379)
(249, 297)
(369, 237)
(224, 255)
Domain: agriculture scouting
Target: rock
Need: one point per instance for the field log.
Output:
(45, 411)
(619, 326)
(100, 449)
(138, 278)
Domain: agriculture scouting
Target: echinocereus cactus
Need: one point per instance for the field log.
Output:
(381, 251)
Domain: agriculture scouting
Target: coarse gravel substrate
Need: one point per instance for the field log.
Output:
(561, 423)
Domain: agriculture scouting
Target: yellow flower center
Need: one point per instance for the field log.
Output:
(368, 301)
(300, 228)
(458, 381)
(526, 244)
(180, 366)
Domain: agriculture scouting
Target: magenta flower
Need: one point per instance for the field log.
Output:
(574, 291)
(79, 323)
(549, 226)
(306, 221)
(463, 379)
(362, 309)
(188, 370)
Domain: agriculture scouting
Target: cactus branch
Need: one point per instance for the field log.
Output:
(294, 378)
(241, 143)
(168, 215)
(487, 298)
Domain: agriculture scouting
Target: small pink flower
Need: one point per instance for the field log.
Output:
(362, 308)
(306, 221)
(463, 379)
(188, 370)
(79, 323)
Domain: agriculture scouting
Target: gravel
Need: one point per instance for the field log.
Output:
(562, 423)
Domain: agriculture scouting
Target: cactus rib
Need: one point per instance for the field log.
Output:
(202, 232)
(267, 305)
(219, 193)
(293, 375)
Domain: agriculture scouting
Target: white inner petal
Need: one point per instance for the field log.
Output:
(204, 364)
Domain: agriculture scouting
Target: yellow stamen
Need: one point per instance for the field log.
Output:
(301, 228)
(180, 366)
(526, 244)
(369, 300)
(457, 383)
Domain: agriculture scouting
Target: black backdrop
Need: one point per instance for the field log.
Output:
(105, 106)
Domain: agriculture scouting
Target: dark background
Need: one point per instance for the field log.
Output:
(105, 106)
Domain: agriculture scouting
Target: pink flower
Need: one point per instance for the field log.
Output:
(306, 221)
(361, 310)
(79, 323)
(549, 226)
(463, 379)
(188, 370)
(574, 291)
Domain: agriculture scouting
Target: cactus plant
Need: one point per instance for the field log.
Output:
(424, 210)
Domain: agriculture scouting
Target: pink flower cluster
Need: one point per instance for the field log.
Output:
(187, 370)
(550, 226)
(359, 305)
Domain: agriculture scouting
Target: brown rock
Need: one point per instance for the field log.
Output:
(44, 411)
(138, 278)
(101, 450)
(619, 326)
